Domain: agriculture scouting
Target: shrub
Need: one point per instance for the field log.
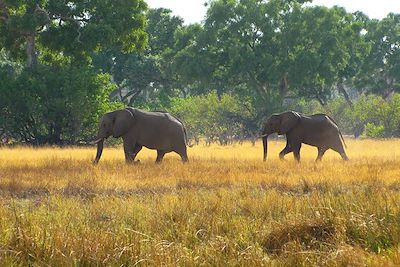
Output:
(54, 104)
(215, 118)
(374, 131)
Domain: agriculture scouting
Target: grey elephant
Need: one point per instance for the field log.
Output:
(318, 130)
(155, 130)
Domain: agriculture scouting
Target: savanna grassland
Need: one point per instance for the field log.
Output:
(225, 207)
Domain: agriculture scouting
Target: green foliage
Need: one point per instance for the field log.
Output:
(74, 28)
(142, 79)
(54, 104)
(58, 97)
(216, 118)
(247, 60)
(374, 131)
(380, 71)
(325, 46)
(269, 50)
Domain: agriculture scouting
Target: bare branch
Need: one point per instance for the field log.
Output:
(63, 18)
(77, 21)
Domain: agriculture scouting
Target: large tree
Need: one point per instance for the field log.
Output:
(29, 28)
(237, 49)
(144, 78)
(325, 48)
(380, 73)
(58, 97)
(272, 50)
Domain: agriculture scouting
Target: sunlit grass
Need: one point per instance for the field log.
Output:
(225, 207)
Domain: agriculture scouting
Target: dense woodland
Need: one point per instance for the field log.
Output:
(64, 63)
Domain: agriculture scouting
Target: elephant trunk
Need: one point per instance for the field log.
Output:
(265, 138)
(100, 144)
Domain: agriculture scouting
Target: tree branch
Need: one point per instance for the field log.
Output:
(341, 89)
(133, 97)
(63, 18)
(77, 21)
(3, 8)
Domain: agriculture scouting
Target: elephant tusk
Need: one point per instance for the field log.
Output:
(264, 135)
(96, 141)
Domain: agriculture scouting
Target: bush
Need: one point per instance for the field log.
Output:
(54, 104)
(374, 131)
(216, 118)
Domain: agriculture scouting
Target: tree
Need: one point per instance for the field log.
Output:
(271, 50)
(142, 78)
(53, 105)
(215, 118)
(59, 96)
(73, 28)
(324, 47)
(380, 72)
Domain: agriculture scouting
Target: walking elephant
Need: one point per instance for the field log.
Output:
(154, 130)
(318, 130)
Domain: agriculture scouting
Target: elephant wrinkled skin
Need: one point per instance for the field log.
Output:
(154, 130)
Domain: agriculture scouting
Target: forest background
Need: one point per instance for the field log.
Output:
(63, 64)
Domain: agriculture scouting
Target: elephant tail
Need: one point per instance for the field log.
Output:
(341, 136)
(184, 132)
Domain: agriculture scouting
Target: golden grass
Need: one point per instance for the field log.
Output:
(225, 207)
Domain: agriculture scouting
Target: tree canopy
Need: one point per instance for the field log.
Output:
(74, 28)
(52, 93)
(62, 64)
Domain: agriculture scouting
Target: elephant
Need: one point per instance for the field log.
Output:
(155, 130)
(317, 130)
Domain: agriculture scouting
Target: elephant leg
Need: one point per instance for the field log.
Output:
(129, 151)
(136, 150)
(183, 155)
(285, 151)
(340, 149)
(160, 156)
(296, 151)
(321, 152)
(343, 154)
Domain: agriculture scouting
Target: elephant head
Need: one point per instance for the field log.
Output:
(279, 123)
(116, 123)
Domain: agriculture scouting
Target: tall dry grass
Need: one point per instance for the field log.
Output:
(225, 207)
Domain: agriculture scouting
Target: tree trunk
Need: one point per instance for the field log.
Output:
(31, 51)
(283, 85)
(320, 100)
(341, 89)
(389, 89)
(265, 143)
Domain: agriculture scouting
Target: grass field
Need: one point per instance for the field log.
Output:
(225, 207)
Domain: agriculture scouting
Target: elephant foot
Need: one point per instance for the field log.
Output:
(136, 162)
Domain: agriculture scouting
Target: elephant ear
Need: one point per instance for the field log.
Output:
(288, 121)
(122, 121)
